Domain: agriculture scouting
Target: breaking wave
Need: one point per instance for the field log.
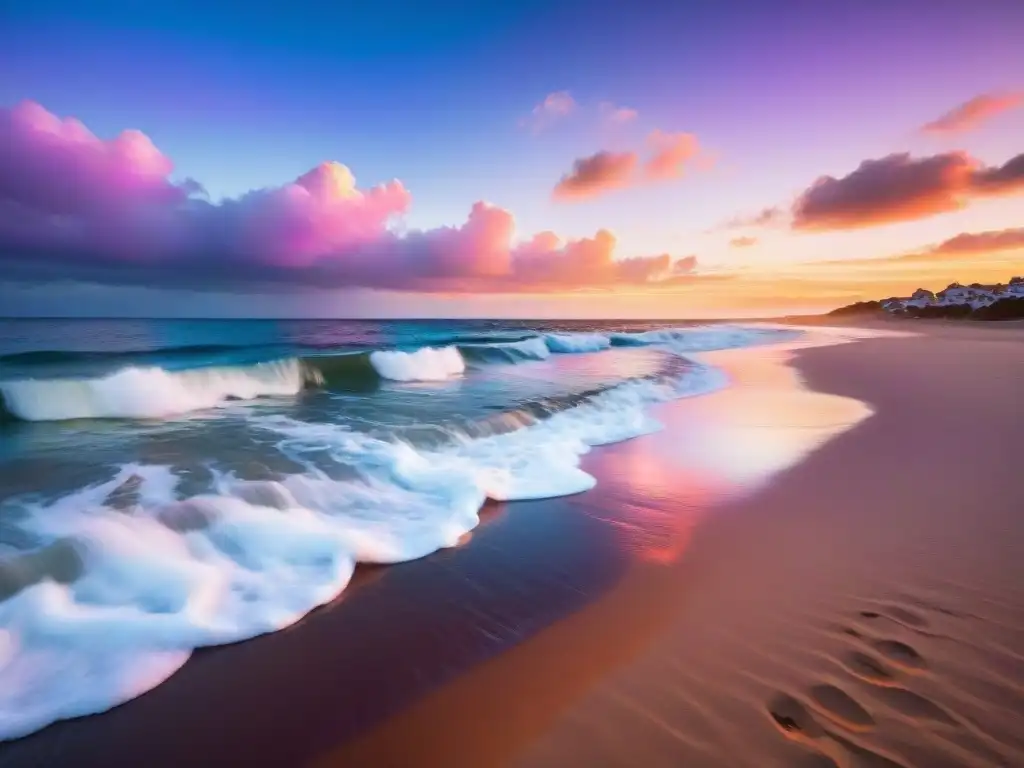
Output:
(154, 391)
(129, 576)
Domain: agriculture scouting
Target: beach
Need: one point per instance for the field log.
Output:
(818, 565)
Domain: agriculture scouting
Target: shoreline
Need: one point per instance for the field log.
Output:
(597, 596)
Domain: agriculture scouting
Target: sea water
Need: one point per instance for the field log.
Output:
(167, 485)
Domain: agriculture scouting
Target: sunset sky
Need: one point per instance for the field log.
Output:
(406, 158)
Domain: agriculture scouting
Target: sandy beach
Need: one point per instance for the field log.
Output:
(787, 575)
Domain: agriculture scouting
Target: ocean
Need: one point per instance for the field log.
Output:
(167, 485)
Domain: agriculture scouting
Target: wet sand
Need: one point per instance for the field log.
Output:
(720, 599)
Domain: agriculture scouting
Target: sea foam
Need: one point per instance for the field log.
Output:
(169, 574)
(150, 392)
(143, 393)
(424, 364)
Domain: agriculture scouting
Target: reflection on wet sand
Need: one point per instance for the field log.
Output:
(652, 494)
(714, 449)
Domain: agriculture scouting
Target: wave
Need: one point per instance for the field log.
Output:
(533, 348)
(141, 393)
(154, 393)
(151, 392)
(425, 364)
(129, 577)
(576, 342)
(48, 357)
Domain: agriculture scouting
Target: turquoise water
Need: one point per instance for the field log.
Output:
(166, 485)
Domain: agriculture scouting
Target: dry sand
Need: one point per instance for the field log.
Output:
(721, 599)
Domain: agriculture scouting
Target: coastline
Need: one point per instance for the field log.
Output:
(619, 582)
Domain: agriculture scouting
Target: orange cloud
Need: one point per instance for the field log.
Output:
(974, 112)
(605, 171)
(902, 188)
(743, 242)
(671, 152)
(594, 175)
(971, 244)
(964, 246)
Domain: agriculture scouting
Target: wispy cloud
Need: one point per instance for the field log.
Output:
(669, 155)
(616, 115)
(972, 113)
(766, 217)
(554, 107)
(743, 242)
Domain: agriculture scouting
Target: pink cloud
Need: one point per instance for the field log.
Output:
(60, 166)
(972, 113)
(77, 207)
(597, 174)
(554, 107)
(899, 187)
(766, 217)
(743, 242)
(616, 115)
(604, 171)
(670, 154)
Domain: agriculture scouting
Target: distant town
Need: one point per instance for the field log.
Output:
(999, 301)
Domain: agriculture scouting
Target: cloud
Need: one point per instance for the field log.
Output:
(766, 217)
(73, 206)
(743, 242)
(597, 174)
(972, 113)
(605, 171)
(963, 245)
(553, 108)
(968, 244)
(685, 266)
(982, 242)
(902, 188)
(616, 115)
(671, 152)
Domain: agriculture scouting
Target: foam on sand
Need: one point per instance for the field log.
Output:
(160, 575)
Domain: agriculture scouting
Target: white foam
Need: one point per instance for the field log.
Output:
(533, 348)
(141, 393)
(425, 364)
(703, 338)
(576, 342)
(246, 558)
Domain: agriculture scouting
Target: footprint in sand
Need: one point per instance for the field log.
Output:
(793, 719)
(900, 654)
(841, 707)
(866, 667)
(815, 760)
(866, 758)
(795, 722)
(899, 614)
(914, 705)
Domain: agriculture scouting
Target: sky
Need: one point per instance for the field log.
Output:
(559, 158)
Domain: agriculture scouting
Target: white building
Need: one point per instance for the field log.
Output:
(976, 296)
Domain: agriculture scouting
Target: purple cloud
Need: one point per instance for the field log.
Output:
(75, 206)
(899, 187)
